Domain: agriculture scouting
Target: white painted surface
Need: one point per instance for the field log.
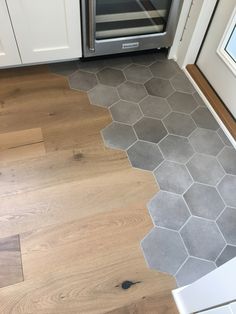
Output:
(220, 310)
(46, 30)
(214, 289)
(9, 54)
(213, 67)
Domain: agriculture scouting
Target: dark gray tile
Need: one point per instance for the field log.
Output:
(228, 253)
(164, 250)
(176, 148)
(111, 77)
(145, 155)
(155, 107)
(168, 210)
(165, 70)
(173, 177)
(63, 68)
(204, 201)
(206, 141)
(119, 63)
(92, 66)
(224, 138)
(150, 130)
(103, 96)
(83, 81)
(159, 87)
(182, 102)
(202, 238)
(137, 73)
(179, 124)
(192, 270)
(126, 112)
(181, 83)
(119, 136)
(205, 169)
(227, 225)
(204, 119)
(227, 158)
(227, 188)
(199, 99)
(132, 91)
(145, 58)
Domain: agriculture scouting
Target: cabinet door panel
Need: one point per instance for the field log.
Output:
(9, 54)
(46, 30)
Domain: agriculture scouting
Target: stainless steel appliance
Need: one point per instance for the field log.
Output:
(116, 26)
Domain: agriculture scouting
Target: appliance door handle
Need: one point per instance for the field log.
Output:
(92, 25)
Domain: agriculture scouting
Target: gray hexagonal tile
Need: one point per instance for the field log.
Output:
(205, 169)
(119, 136)
(173, 177)
(176, 148)
(126, 112)
(137, 73)
(192, 270)
(145, 155)
(150, 130)
(227, 188)
(164, 250)
(63, 68)
(181, 83)
(111, 77)
(204, 119)
(81, 80)
(206, 141)
(204, 201)
(199, 99)
(103, 96)
(168, 210)
(224, 138)
(227, 225)
(182, 102)
(202, 238)
(179, 124)
(228, 253)
(119, 63)
(132, 91)
(155, 107)
(92, 66)
(165, 70)
(159, 87)
(227, 158)
(145, 59)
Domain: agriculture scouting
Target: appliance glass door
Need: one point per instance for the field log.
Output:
(122, 18)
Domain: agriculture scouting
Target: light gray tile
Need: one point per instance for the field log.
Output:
(202, 238)
(83, 81)
(227, 158)
(224, 138)
(179, 124)
(165, 70)
(173, 177)
(176, 148)
(119, 136)
(228, 253)
(110, 77)
(206, 141)
(205, 169)
(204, 119)
(192, 270)
(103, 96)
(164, 250)
(159, 87)
(132, 91)
(90, 65)
(227, 225)
(145, 155)
(150, 130)
(182, 102)
(227, 188)
(137, 73)
(168, 210)
(181, 83)
(146, 58)
(155, 107)
(204, 201)
(63, 68)
(199, 99)
(126, 112)
(118, 62)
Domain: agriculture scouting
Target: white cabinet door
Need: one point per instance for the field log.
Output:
(46, 30)
(9, 54)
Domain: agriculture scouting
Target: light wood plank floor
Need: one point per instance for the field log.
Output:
(76, 209)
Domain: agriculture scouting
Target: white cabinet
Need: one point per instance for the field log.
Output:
(9, 54)
(46, 30)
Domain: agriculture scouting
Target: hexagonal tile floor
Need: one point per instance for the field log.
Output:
(166, 128)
